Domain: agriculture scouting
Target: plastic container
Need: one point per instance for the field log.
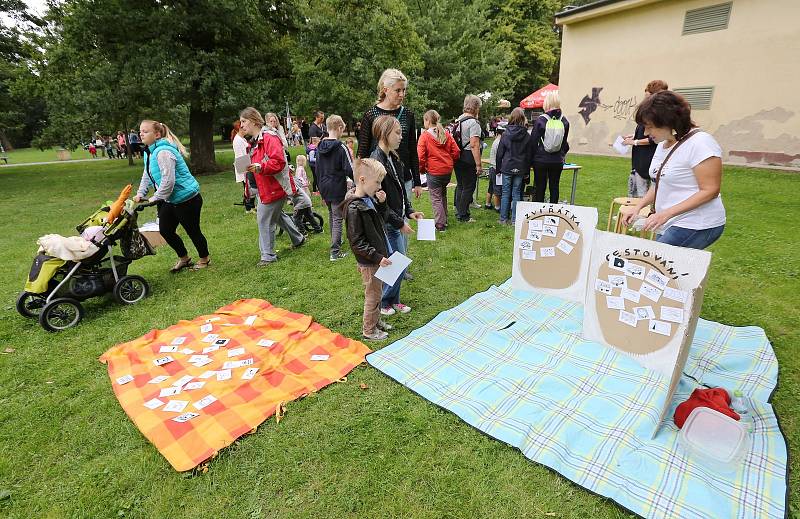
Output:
(714, 440)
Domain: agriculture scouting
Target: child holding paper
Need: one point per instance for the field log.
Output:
(368, 240)
(387, 131)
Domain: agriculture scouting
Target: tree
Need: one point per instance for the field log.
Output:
(20, 112)
(528, 29)
(147, 58)
(338, 61)
(458, 56)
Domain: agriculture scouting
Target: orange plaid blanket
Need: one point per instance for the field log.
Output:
(195, 387)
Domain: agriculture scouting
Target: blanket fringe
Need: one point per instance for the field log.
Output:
(280, 410)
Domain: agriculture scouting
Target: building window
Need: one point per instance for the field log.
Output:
(707, 19)
(698, 97)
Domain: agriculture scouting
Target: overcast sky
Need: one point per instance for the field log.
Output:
(35, 6)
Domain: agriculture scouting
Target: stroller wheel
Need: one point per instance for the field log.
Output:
(131, 289)
(60, 314)
(30, 305)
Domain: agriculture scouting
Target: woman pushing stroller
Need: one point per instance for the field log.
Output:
(176, 191)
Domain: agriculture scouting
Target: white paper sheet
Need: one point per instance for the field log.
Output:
(426, 230)
(390, 274)
(240, 165)
(622, 149)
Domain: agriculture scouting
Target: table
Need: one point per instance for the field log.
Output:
(567, 167)
(575, 169)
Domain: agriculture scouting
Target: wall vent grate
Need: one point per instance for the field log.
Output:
(707, 19)
(698, 97)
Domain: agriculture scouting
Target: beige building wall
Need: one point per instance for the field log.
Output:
(753, 65)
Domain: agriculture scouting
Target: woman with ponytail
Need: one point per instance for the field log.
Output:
(176, 191)
(437, 152)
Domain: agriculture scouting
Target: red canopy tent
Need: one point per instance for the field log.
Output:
(536, 99)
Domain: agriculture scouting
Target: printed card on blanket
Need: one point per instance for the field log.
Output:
(552, 246)
(644, 300)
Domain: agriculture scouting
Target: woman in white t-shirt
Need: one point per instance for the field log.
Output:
(688, 205)
(248, 181)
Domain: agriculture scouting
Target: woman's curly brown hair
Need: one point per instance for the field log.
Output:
(666, 109)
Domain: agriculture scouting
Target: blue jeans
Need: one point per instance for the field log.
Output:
(690, 238)
(391, 293)
(512, 193)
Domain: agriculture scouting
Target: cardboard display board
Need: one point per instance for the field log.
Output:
(643, 298)
(552, 246)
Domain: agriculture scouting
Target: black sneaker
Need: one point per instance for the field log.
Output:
(337, 256)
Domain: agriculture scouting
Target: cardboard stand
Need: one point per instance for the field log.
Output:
(643, 298)
(640, 297)
(552, 247)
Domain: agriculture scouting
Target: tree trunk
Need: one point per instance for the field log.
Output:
(201, 136)
(128, 151)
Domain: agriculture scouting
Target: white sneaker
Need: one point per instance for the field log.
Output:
(387, 311)
(400, 307)
(383, 325)
(377, 335)
(475, 205)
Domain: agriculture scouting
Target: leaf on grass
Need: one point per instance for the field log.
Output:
(363, 386)
(9, 350)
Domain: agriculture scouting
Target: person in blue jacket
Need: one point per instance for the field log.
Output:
(514, 155)
(176, 191)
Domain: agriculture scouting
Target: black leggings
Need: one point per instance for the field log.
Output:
(188, 215)
(314, 186)
(543, 173)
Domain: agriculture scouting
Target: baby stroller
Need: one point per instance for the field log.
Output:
(55, 287)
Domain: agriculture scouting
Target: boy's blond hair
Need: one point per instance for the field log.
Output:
(369, 168)
(335, 123)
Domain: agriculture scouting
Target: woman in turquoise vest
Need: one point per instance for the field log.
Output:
(176, 190)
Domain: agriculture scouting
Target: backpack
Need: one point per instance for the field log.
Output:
(553, 134)
(454, 129)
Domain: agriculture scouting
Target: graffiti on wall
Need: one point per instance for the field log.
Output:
(589, 104)
(624, 108)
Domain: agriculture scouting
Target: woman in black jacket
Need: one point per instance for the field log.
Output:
(388, 133)
(514, 161)
(547, 165)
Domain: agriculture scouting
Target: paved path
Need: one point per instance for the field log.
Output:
(50, 162)
(100, 159)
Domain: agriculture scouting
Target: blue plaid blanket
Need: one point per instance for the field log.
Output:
(587, 411)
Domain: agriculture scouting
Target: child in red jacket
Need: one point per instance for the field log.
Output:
(437, 151)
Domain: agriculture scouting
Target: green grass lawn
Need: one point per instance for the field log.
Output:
(69, 450)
